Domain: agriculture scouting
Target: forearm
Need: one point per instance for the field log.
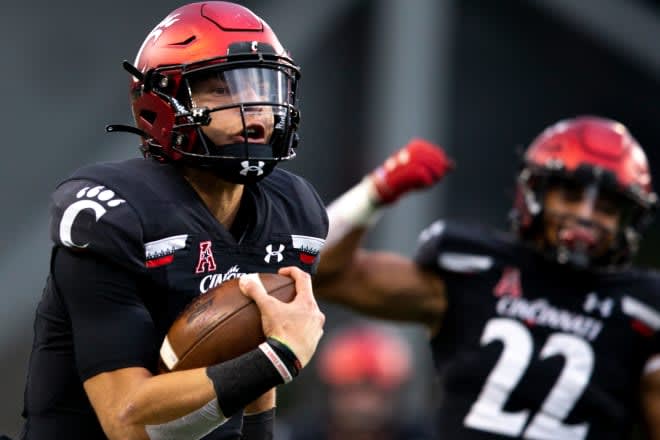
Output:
(190, 403)
(167, 397)
(247, 381)
(128, 400)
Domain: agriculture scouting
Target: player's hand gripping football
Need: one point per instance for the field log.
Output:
(419, 164)
(299, 323)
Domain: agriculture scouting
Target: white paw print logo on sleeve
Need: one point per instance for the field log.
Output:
(98, 198)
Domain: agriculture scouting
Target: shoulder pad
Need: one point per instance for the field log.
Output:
(463, 248)
(299, 199)
(93, 217)
(641, 299)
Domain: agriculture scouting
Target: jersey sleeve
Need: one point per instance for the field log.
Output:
(305, 214)
(429, 244)
(311, 209)
(90, 217)
(462, 248)
(641, 304)
(315, 224)
(111, 326)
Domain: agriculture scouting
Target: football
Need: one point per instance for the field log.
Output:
(219, 325)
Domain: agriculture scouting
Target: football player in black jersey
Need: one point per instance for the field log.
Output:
(213, 93)
(544, 333)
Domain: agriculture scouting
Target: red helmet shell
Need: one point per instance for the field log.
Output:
(365, 354)
(200, 31)
(595, 142)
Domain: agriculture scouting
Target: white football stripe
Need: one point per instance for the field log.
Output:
(463, 263)
(165, 246)
(167, 354)
(641, 311)
(307, 243)
(435, 228)
(652, 364)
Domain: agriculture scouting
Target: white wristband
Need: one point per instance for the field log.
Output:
(357, 207)
(276, 361)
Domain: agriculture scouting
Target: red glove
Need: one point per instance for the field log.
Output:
(418, 165)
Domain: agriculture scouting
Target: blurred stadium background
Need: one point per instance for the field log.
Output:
(480, 77)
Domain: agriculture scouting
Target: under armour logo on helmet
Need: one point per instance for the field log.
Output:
(247, 168)
(270, 253)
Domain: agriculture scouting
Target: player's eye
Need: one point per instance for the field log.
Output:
(221, 90)
(608, 204)
(571, 191)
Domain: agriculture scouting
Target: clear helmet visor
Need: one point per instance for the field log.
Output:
(240, 86)
(245, 105)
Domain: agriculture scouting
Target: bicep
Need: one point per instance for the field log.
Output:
(113, 335)
(110, 324)
(386, 285)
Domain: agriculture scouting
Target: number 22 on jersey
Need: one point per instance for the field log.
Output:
(487, 412)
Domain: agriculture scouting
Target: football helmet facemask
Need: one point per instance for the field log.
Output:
(228, 52)
(597, 160)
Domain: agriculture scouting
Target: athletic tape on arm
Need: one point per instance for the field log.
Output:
(192, 426)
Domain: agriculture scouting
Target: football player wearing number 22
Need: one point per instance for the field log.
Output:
(213, 94)
(545, 332)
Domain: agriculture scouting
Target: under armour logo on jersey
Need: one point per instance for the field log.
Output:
(594, 303)
(270, 253)
(206, 261)
(248, 168)
(98, 199)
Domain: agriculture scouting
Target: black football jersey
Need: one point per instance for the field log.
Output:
(531, 349)
(144, 244)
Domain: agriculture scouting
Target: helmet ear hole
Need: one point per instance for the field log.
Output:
(148, 116)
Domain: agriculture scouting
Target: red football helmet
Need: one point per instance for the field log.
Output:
(365, 354)
(225, 41)
(593, 151)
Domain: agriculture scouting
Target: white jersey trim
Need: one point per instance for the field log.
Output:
(464, 263)
(652, 365)
(165, 246)
(641, 311)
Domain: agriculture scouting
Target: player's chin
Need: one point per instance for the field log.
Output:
(601, 249)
